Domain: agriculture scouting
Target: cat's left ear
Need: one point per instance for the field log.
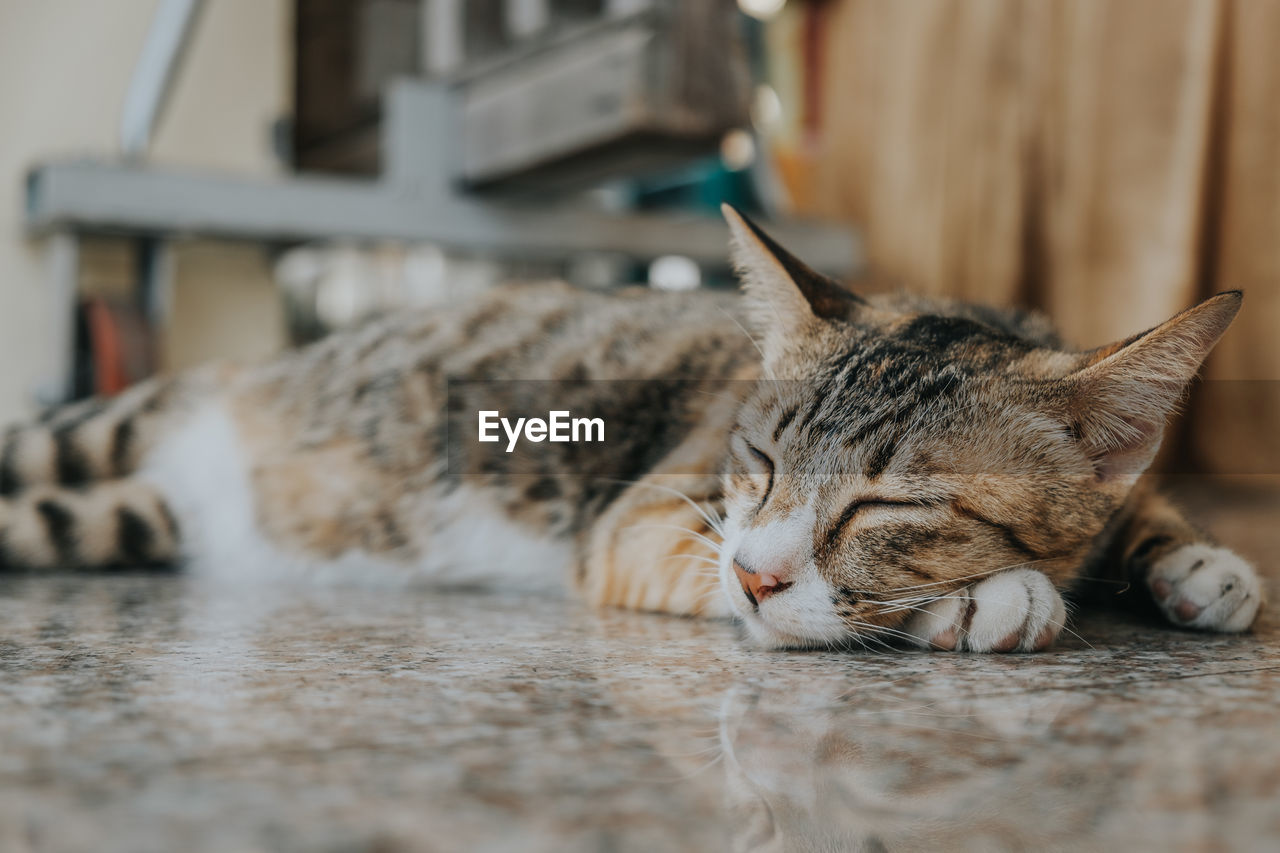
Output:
(1121, 395)
(784, 293)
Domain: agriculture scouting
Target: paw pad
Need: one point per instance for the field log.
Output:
(1206, 587)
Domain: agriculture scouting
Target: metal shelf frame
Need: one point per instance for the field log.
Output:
(418, 197)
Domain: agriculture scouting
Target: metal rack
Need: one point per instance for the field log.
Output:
(438, 182)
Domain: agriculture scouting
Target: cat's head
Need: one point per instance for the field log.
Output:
(893, 453)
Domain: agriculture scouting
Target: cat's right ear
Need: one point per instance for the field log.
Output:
(783, 292)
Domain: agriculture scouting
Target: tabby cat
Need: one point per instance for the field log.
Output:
(827, 468)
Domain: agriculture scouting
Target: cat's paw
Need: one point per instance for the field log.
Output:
(1206, 587)
(1014, 611)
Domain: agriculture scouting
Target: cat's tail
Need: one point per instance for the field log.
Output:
(86, 442)
(119, 522)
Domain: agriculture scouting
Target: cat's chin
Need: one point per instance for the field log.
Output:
(767, 636)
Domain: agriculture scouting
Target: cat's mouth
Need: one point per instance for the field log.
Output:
(781, 623)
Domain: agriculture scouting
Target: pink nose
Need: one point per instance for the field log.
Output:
(758, 585)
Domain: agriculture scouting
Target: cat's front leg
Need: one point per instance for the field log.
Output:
(1018, 610)
(1205, 586)
(1193, 581)
(656, 548)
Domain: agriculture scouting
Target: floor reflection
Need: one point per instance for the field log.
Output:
(866, 770)
(155, 712)
(887, 766)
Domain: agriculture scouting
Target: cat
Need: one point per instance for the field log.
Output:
(827, 468)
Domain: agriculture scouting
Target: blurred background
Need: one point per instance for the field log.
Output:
(184, 180)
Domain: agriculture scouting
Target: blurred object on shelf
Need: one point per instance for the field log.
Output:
(600, 270)
(114, 347)
(761, 9)
(675, 273)
(786, 106)
(334, 287)
(737, 150)
(553, 94)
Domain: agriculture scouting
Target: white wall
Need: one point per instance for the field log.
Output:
(64, 69)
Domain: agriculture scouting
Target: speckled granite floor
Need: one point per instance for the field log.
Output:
(159, 713)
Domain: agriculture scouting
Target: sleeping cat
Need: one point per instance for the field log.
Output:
(827, 468)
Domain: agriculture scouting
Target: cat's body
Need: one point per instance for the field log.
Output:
(358, 457)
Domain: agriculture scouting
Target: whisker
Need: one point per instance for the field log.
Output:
(714, 746)
(695, 534)
(892, 632)
(864, 640)
(754, 343)
(704, 768)
(1125, 586)
(692, 557)
(971, 576)
(715, 521)
(1061, 626)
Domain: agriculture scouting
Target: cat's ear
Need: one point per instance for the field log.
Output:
(784, 293)
(1121, 395)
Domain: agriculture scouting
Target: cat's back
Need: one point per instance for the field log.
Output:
(556, 331)
(550, 331)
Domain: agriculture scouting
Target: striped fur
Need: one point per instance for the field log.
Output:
(882, 459)
(119, 523)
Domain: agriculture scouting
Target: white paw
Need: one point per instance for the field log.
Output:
(1014, 611)
(1206, 587)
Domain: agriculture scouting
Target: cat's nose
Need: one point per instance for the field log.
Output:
(758, 585)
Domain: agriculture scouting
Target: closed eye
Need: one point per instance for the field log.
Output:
(860, 506)
(767, 465)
